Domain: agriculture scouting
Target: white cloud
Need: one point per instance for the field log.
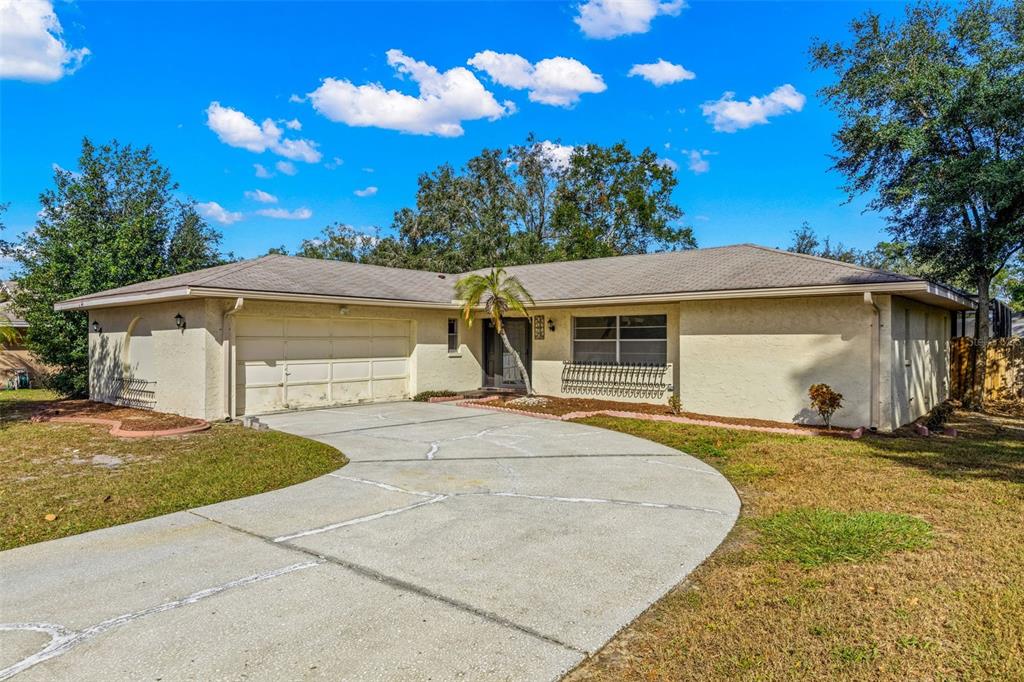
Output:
(261, 196)
(366, 191)
(335, 162)
(662, 72)
(728, 115)
(668, 163)
(32, 46)
(558, 154)
(236, 129)
(444, 100)
(613, 18)
(216, 212)
(697, 161)
(261, 171)
(367, 169)
(284, 214)
(296, 99)
(286, 167)
(558, 81)
(293, 124)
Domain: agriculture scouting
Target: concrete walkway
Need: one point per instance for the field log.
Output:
(458, 544)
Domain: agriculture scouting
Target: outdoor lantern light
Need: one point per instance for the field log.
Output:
(96, 327)
(179, 321)
(551, 325)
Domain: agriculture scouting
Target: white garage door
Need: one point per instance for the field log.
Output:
(288, 362)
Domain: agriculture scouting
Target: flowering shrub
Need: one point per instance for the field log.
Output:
(826, 401)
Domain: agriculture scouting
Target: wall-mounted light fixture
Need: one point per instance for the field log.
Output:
(179, 321)
(551, 325)
(96, 327)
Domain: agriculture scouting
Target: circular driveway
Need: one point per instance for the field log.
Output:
(458, 543)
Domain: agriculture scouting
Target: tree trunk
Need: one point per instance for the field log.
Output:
(519, 361)
(982, 333)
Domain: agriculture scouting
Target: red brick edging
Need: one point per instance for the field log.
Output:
(116, 430)
(482, 403)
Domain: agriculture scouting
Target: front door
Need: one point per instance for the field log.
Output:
(500, 369)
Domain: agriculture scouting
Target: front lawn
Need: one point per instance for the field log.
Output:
(62, 479)
(895, 558)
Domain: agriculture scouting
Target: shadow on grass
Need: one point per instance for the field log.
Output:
(987, 447)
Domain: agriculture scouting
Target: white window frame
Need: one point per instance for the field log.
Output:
(618, 335)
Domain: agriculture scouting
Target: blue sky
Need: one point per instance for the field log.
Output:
(153, 70)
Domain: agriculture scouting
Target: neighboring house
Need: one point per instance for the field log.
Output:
(735, 331)
(15, 359)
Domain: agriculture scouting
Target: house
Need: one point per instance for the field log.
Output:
(15, 360)
(735, 331)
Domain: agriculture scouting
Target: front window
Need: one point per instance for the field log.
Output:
(621, 339)
(453, 335)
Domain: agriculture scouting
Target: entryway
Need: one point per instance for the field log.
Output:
(500, 369)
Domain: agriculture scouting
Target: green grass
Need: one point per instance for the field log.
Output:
(47, 469)
(814, 537)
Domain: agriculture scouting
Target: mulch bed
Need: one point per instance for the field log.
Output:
(563, 406)
(131, 419)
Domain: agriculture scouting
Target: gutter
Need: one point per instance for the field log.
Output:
(876, 370)
(229, 357)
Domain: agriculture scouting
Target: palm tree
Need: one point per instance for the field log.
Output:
(500, 294)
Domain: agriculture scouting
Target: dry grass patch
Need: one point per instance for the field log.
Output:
(888, 558)
(62, 479)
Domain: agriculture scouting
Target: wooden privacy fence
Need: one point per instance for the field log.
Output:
(1004, 372)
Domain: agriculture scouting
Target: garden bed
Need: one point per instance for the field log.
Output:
(130, 418)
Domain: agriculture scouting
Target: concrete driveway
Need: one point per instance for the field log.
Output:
(458, 544)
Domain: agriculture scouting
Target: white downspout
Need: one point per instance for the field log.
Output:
(876, 342)
(229, 358)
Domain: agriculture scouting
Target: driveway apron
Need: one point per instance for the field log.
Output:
(459, 543)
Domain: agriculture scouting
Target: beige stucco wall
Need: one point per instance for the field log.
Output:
(756, 358)
(550, 353)
(919, 359)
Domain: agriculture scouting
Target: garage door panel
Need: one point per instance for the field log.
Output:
(261, 373)
(259, 326)
(311, 395)
(308, 371)
(342, 328)
(351, 370)
(307, 349)
(352, 348)
(298, 326)
(389, 389)
(390, 347)
(262, 399)
(260, 349)
(352, 392)
(383, 369)
(390, 328)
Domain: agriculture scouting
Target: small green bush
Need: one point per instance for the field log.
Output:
(424, 396)
(815, 537)
(675, 404)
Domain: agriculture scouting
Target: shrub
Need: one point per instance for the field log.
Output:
(826, 401)
(425, 396)
(939, 415)
(675, 404)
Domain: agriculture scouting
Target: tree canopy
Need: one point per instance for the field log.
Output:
(114, 222)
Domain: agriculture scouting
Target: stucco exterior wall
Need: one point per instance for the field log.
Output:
(756, 358)
(919, 359)
(175, 363)
(550, 353)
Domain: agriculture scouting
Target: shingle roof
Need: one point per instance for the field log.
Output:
(744, 266)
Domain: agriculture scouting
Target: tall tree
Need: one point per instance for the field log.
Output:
(114, 222)
(338, 242)
(932, 113)
(193, 244)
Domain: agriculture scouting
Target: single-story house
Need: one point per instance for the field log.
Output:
(16, 361)
(733, 331)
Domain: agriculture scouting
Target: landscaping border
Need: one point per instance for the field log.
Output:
(483, 404)
(116, 430)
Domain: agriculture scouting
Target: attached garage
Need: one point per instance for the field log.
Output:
(294, 362)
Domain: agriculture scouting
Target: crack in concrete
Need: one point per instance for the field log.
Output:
(399, 584)
(360, 519)
(685, 468)
(381, 484)
(396, 425)
(63, 639)
(356, 462)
